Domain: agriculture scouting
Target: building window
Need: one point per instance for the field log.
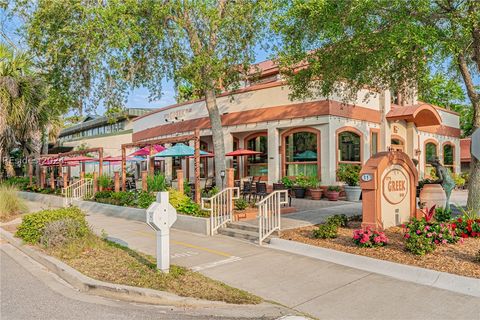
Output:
(301, 152)
(374, 143)
(449, 156)
(349, 147)
(257, 165)
(431, 153)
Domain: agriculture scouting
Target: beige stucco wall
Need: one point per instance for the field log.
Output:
(112, 144)
(250, 100)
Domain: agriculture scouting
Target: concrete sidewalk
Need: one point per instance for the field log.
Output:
(318, 288)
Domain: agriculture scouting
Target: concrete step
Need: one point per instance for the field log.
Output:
(243, 226)
(241, 234)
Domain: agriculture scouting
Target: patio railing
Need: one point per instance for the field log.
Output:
(220, 207)
(81, 189)
(269, 213)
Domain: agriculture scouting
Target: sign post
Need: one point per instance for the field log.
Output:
(161, 215)
(475, 146)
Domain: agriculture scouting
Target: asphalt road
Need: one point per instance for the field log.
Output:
(28, 291)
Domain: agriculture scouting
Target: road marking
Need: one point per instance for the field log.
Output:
(188, 245)
(215, 264)
(184, 254)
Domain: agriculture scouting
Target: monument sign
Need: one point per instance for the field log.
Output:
(388, 181)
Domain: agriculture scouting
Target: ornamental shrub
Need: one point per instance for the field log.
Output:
(349, 173)
(418, 233)
(20, 182)
(241, 204)
(123, 198)
(326, 231)
(369, 239)
(443, 215)
(32, 227)
(103, 194)
(419, 244)
(340, 220)
(465, 227)
(145, 199)
(60, 232)
(157, 183)
(105, 181)
(184, 204)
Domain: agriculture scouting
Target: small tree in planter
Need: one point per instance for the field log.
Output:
(315, 191)
(349, 174)
(157, 183)
(300, 186)
(333, 192)
(105, 182)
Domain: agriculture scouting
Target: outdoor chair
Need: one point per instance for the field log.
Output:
(281, 186)
(260, 190)
(246, 190)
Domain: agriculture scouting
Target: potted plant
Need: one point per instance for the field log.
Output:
(333, 192)
(349, 174)
(157, 183)
(315, 190)
(300, 186)
(287, 182)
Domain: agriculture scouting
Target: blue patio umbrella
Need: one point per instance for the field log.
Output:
(178, 150)
(306, 155)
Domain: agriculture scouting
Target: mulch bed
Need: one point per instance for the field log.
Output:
(452, 258)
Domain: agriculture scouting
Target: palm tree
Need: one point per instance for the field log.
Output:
(24, 112)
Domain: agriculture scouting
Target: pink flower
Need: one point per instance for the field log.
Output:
(427, 227)
(444, 241)
(407, 236)
(418, 231)
(436, 241)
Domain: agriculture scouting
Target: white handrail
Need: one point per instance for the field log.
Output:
(269, 213)
(220, 207)
(81, 189)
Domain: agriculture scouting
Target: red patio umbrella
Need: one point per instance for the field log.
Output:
(242, 153)
(145, 151)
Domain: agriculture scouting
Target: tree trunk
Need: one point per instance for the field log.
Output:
(217, 135)
(473, 201)
(37, 148)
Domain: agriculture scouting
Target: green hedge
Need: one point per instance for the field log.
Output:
(32, 226)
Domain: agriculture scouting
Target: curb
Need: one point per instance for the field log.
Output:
(84, 283)
(426, 277)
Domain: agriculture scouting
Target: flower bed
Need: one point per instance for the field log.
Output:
(456, 258)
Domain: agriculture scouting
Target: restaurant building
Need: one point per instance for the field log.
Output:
(311, 137)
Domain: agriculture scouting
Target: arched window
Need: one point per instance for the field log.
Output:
(449, 156)
(257, 165)
(349, 147)
(301, 152)
(431, 153)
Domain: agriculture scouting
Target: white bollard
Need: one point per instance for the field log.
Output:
(161, 215)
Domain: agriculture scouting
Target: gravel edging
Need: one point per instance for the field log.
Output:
(141, 295)
(427, 277)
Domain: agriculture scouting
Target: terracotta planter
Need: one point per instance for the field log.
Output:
(433, 194)
(333, 195)
(316, 194)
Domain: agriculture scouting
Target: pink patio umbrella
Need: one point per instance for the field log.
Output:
(145, 151)
(242, 153)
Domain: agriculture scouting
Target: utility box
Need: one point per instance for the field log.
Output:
(161, 215)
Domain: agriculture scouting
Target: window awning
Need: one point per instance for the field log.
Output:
(422, 114)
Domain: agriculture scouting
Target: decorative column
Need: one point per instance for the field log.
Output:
(52, 179)
(95, 183)
(124, 169)
(82, 176)
(42, 177)
(197, 165)
(117, 181)
(168, 164)
(180, 180)
(144, 180)
(273, 141)
(230, 174)
(65, 180)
